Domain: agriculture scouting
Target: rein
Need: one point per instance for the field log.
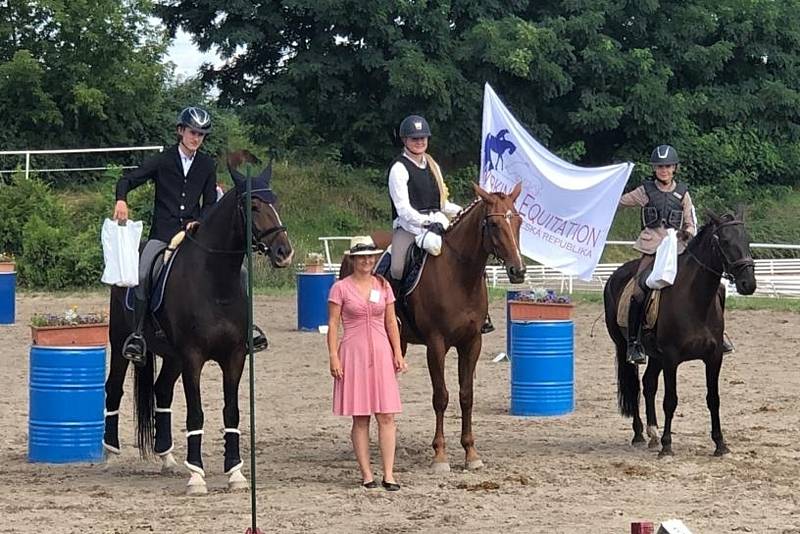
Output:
(485, 228)
(728, 267)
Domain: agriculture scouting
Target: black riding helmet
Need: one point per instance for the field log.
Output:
(414, 127)
(195, 118)
(664, 155)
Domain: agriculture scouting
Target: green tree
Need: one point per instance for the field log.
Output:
(599, 80)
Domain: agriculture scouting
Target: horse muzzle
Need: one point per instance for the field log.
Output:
(516, 275)
(746, 281)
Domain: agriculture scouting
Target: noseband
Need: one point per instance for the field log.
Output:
(730, 269)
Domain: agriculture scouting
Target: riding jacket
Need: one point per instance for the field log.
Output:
(177, 199)
(664, 200)
(416, 193)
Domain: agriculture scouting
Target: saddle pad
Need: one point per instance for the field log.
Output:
(157, 295)
(651, 306)
(413, 271)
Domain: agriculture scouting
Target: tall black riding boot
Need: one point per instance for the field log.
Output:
(636, 354)
(135, 347)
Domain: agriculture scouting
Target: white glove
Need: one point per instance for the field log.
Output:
(430, 242)
(451, 210)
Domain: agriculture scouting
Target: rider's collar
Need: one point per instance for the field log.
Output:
(410, 157)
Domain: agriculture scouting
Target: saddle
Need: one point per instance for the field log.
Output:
(650, 307)
(412, 271)
(159, 273)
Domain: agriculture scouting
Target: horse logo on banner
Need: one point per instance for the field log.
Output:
(499, 145)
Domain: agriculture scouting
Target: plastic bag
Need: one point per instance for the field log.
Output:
(665, 267)
(121, 253)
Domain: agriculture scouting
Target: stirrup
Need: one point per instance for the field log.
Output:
(260, 341)
(487, 326)
(635, 355)
(727, 345)
(135, 349)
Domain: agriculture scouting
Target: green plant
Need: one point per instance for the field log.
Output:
(70, 317)
(6, 257)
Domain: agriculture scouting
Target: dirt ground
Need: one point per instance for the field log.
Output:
(576, 473)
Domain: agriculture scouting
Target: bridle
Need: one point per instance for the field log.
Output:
(487, 236)
(257, 244)
(730, 269)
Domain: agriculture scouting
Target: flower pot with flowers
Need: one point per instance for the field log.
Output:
(70, 329)
(540, 304)
(7, 263)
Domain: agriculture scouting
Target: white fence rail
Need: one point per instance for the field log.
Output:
(775, 277)
(29, 153)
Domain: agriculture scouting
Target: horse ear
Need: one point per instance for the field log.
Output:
(713, 216)
(481, 193)
(516, 191)
(266, 174)
(236, 176)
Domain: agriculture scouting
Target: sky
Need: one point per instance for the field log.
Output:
(186, 56)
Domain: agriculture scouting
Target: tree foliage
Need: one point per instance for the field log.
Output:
(600, 80)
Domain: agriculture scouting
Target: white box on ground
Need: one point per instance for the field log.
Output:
(673, 526)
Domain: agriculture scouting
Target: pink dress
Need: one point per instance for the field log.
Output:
(369, 383)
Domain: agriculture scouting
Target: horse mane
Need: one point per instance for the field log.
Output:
(705, 231)
(463, 213)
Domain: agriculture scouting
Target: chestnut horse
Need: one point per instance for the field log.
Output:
(449, 304)
(689, 326)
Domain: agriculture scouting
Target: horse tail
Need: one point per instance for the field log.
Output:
(627, 385)
(144, 400)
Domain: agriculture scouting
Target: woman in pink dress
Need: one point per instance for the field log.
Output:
(365, 363)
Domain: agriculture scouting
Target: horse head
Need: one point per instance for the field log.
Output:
(269, 234)
(733, 243)
(500, 230)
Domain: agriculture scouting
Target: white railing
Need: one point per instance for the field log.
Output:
(29, 153)
(775, 277)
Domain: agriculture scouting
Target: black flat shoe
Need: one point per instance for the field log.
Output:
(370, 485)
(390, 486)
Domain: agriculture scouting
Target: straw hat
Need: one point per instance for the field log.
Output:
(362, 245)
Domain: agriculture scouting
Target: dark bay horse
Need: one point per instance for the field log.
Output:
(449, 305)
(689, 326)
(203, 317)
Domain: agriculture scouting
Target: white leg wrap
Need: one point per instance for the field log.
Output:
(163, 410)
(235, 468)
(194, 433)
(109, 448)
(195, 470)
(232, 430)
(115, 412)
(168, 463)
(166, 452)
(652, 432)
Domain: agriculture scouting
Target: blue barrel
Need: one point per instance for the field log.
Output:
(8, 290)
(542, 368)
(312, 299)
(65, 421)
(510, 295)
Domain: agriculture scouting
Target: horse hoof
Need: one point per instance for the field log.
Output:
(237, 482)
(474, 465)
(722, 451)
(654, 443)
(665, 453)
(196, 485)
(168, 465)
(440, 467)
(638, 441)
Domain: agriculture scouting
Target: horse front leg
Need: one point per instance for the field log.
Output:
(192, 367)
(670, 403)
(712, 400)
(650, 387)
(114, 392)
(231, 375)
(436, 354)
(468, 354)
(164, 389)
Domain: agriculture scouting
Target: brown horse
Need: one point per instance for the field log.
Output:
(450, 302)
(689, 326)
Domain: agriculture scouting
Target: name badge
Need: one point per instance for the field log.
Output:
(374, 295)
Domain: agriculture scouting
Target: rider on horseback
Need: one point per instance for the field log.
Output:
(665, 204)
(182, 175)
(419, 196)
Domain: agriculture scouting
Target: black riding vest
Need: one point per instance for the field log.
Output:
(663, 208)
(423, 192)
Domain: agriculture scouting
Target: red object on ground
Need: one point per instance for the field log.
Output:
(258, 531)
(644, 527)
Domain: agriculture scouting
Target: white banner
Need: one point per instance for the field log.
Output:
(566, 210)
